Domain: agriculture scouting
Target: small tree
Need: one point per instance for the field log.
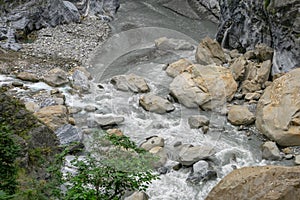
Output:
(113, 166)
(8, 153)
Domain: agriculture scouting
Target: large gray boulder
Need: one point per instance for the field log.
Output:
(130, 82)
(189, 154)
(156, 104)
(263, 182)
(278, 115)
(245, 23)
(56, 77)
(209, 86)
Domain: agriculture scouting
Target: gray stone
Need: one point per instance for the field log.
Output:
(56, 77)
(130, 82)
(172, 44)
(68, 134)
(198, 121)
(80, 81)
(270, 151)
(240, 115)
(238, 68)
(156, 104)
(188, 155)
(153, 142)
(209, 52)
(104, 121)
(200, 167)
(252, 96)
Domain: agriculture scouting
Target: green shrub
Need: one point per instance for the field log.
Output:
(9, 151)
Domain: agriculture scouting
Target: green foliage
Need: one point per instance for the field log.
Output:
(113, 166)
(8, 153)
(267, 3)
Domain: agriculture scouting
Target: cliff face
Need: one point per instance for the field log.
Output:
(245, 23)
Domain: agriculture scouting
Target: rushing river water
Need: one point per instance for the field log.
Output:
(131, 49)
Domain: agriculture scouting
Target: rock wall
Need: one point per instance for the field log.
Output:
(245, 23)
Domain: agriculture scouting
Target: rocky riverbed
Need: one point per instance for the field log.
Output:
(259, 113)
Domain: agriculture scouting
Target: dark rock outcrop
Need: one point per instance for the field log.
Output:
(243, 24)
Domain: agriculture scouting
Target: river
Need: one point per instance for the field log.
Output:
(130, 49)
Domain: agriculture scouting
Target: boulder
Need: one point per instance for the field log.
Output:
(207, 86)
(172, 44)
(56, 77)
(104, 121)
(152, 142)
(137, 196)
(278, 110)
(156, 104)
(161, 153)
(80, 81)
(53, 116)
(32, 106)
(262, 182)
(68, 134)
(210, 52)
(189, 154)
(270, 151)
(238, 68)
(177, 67)
(256, 75)
(198, 121)
(26, 76)
(252, 96)
(130, 82)
(240, 115)
(200, 167)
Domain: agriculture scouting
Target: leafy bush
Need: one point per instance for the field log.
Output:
(8, 154)
(113, 166)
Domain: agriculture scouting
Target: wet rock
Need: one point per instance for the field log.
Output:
(137, 196)
(104, 121)
(26, 76)
(17, 84)
(68, 134)
(240, 115)
(80, 81)
(53, 116)
(270, 151)
(177, 67)
(162, 154)
(74, 110)
(83, 70)
(182, 7)
(238, 68)
(156, 104)
(278, 115)
(297, 159)
(207, 9)
(263, 182)
(196, 178)
(153, 142)
(188, 155)
(210, 52)
(172, 44)
(56, 77)
(90, 108)
(208, 87)
(200, 167)
(130, 82)
(198, 121)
